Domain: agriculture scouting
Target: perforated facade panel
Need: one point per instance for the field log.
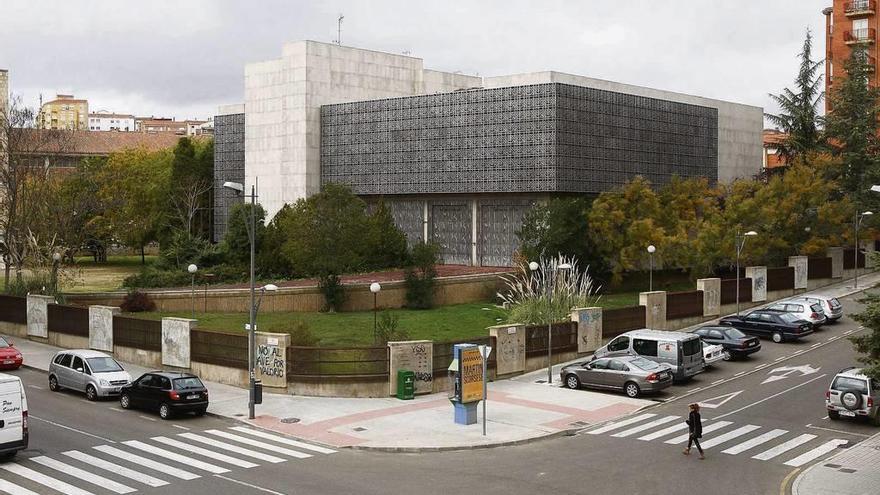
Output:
(228, 166)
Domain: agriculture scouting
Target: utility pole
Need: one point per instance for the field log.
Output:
(339, 29)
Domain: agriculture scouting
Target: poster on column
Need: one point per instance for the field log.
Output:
(471, 375)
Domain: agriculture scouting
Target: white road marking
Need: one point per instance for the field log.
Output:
(770, 397)
(72, 429)
(730, 435)
(780, 358)
(13, 489)
(837, 431)
(741, 373)
(205, 452)
(754, 442)
(645, 426)
(816, 453)
(115, 468)
(82, 475)
(706, 429)
(284, 440)
(665, 431)
(189, 461)
(232, 448)
(147, 418)
(817, 344)
(716, 402)
(117, 409)
(147, 463)
(717, 381)
(181, 427)
(42, 479)
(36, 387)
(620, 424)
(263, 445)
(784, 447)
(761, 366)
(255, 487)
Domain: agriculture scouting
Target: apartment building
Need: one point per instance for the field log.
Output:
(849, 23)
(108, 121)
(64, 112)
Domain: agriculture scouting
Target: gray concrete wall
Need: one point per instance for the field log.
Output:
(14, 329)
(340, 388)
(220, 374)
(140, 357)
(68, 341)
(740, 127)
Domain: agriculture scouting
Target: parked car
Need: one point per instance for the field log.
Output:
(83, 370)
(803, 309)
(777, 325)
(735, 343)
(712, 353)
(166, 391)
(853, 395)
(13, 415)
(682, 351)
(634, 375)
(10, 357)
(830, 306)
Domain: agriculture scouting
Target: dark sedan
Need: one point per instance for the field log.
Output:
(736, 344)
(777, 325)
(165, 391)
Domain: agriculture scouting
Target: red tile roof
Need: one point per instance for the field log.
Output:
(91, 143)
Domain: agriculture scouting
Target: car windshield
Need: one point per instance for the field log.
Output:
(645, 364)
(190, 382)
(103, 365)
(849, 383)
(3, 343)
(789, 317)
(733, 333)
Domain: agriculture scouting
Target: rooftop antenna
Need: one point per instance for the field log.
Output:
(339, 29)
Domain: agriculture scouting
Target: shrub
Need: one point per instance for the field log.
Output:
(183, 249)
(333, 290)
(387, 329)
(136, 301)
(419, 276)
(301, 335)
(154, 277)
(37, 283)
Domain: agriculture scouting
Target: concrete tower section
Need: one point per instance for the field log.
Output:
(283, 99)
(4, 91)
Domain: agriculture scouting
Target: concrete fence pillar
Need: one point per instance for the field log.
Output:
(175, 341)
(655, 309)
(758, 274)
(836, 255)
(589, 328)
(868, 246)
(38, 315)
(101, 327)
(412, 355)
(711, 288)
(272, 358)
(510, 348)
(801, 267)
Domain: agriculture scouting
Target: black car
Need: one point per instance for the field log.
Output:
(166, 391)
(779, 326)
(736, 344)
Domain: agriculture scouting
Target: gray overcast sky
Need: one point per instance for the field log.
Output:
(182, 58)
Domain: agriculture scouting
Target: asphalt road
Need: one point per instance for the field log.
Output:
(616, 458)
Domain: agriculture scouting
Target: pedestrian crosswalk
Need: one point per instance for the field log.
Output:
(134, 465)
(791, 448)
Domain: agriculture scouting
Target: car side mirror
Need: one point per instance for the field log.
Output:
(588, 366)
(80, 370)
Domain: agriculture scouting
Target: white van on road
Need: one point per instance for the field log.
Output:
(13, 415)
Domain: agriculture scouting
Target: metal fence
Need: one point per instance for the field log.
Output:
(728, 290)
(70, 320)
(848, 259)
(137, 333)
(316, 362)
(819, 268)
(13, 309)
(221, 349)
(684, 304)
(564, 338)
(443, 354)
(620, 320)
(781, 278)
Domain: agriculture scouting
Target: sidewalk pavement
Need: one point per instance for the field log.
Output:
(520, 409)
(854, 471)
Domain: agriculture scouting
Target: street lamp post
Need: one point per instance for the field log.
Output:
(651, 250)
(375, 288)
(858, 223)
(192, 269)
(56, 258)
(549, 281)
(740, 242)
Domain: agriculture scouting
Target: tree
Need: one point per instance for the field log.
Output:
(689, 206)
(190, 194)
(385, 243)
(869, 344)
(237, 244)
(798, 116)
(561, 226)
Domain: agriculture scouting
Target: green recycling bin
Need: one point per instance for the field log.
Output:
(406, 384)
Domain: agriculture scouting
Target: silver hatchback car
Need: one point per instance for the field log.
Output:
(804, 309)
(83, 370)
(632, 374)
(830, 305)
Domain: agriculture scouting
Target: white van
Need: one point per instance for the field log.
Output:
(683, 352)
(13, 415)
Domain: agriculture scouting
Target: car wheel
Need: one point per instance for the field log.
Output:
(572, 382)
(91, 393)
(165, 411)
(631, 389)
(125, 401)
(53, 384)
(726, 356)
(777, 337)
(833, 415)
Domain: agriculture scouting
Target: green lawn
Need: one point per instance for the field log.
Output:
(88, 276)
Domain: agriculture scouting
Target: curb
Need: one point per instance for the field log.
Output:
(794, 488)
(420, 450)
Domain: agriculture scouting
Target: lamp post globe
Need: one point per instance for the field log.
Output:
(533, 266)
(375, 288)
(652, 249)
(192, 268)
(56, 256)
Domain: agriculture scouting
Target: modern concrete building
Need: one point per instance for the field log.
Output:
(64, 113)
(108, 121)
(459, 158)
(4, 91)
(849, 23)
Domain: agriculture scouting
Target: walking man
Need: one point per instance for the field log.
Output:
(695, 429)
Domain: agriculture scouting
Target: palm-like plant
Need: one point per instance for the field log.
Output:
(798, 116)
